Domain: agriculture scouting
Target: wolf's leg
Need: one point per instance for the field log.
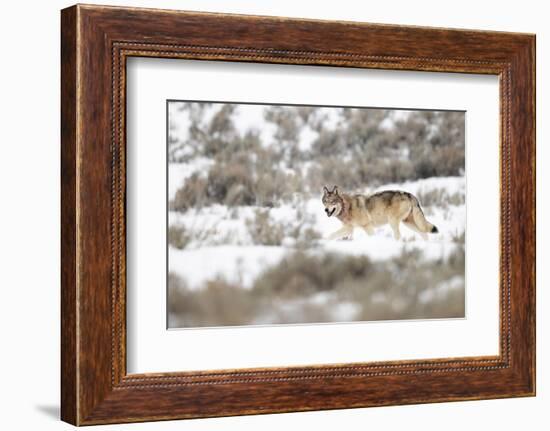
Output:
(349, 236)
(344, 231)
(368, 228)
(412, 226)
(395, 227)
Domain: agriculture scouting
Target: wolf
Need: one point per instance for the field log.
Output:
(367, 212)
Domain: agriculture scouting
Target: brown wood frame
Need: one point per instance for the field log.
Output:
(95, 43)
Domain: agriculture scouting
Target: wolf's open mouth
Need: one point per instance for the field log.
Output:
(329, 213)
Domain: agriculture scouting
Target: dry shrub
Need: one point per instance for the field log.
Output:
(303, 274)
(333, 171)
(178, 236)
(218, 303)
(386, 171)
(438, 162)
(328, 144)
(306, 236)
(399, 284)
(449, 161)
(357, 174)
(459, 238)
(239, 183)
(225, 184)
(356, 152)
(272, 187)
(191, 195)
(385, 290)
(439, 197)
(302, 230)
(362, 153)
(230, 182)
(457, 198)
(264, 230)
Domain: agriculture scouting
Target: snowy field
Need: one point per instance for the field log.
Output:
(247, 237)
(223, 247)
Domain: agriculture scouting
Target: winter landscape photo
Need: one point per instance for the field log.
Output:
(287, 214)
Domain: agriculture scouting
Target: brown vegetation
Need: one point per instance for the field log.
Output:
(358, 152)
(407, 287)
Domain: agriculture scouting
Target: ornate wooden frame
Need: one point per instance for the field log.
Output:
(95, 43)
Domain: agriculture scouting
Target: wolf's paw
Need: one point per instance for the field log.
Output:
(347, 238)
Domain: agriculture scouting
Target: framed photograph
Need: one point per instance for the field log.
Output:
(263, 214)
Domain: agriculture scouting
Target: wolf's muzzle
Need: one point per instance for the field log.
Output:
(329, 213)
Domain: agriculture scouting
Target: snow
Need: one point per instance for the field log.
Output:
(339, 311)
(345, 311)
(225, 248)
(331, 118)
(401, 114)
(179, 122)
(235, 264)
(450, 185)
(307, 137)
(384, 247)
(251, 117)
(441, 290)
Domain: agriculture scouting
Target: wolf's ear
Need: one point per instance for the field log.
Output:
(335, 190)
(325, 190)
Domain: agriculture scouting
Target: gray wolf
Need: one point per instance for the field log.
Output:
(367, 212)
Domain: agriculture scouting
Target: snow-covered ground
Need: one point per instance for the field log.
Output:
(236, 264)
(221, 244)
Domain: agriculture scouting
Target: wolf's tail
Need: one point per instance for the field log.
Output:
(420, 219)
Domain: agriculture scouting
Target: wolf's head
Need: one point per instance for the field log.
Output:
(332, 201)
